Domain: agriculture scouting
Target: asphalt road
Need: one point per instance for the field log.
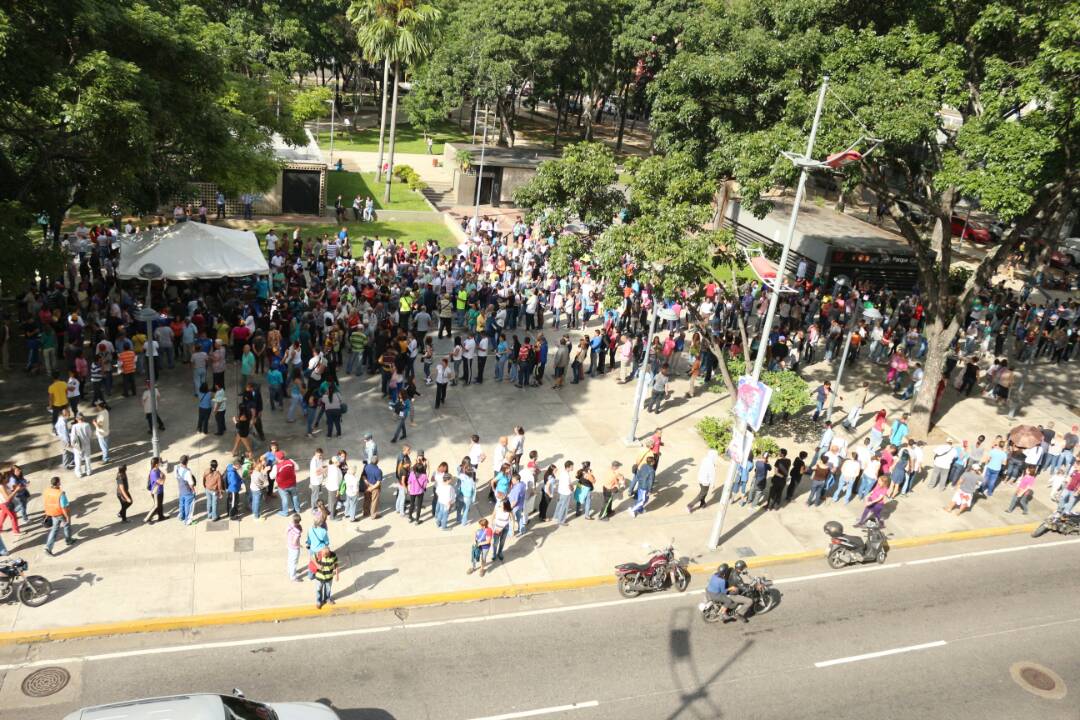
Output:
(945, 628)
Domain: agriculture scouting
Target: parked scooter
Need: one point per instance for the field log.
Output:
(847, 550)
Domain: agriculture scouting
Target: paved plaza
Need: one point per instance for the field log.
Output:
(127, 571)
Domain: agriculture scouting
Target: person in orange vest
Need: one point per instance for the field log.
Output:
(56, 509)
(127, 370)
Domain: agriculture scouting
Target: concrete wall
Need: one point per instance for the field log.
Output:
(512, 179)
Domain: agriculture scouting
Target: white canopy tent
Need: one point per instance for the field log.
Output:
(193, 251)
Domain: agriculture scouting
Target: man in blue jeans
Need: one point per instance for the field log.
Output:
(185, 481)
(995, 460)
(56, 509)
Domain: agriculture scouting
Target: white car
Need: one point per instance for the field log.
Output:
(204, 706)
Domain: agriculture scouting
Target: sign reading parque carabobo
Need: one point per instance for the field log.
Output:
(854, 257)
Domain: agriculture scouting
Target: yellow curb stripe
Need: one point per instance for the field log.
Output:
(247, 617)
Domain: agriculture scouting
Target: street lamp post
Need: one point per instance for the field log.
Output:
(333, 108)
(871, 314)
(150, 272)
(480, 172)
(639, 393)
(741, 429)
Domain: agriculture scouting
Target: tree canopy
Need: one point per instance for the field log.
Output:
(743, 84)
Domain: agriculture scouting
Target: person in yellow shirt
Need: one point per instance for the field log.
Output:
(57, 396)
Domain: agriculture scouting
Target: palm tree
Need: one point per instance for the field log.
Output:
(394, 31)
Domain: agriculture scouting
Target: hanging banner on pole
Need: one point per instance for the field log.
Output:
(739, 447)
(751, 401)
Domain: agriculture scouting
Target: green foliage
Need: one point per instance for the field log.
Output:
(26, 252)
(790, 392)
(717, 435)
(127, 101)
(402, 31)
(407, 175)
(350, 184)
(578, 186)
(665, 237)
(311, 103)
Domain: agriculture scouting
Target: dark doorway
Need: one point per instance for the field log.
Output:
(300, 192)
(487, 182)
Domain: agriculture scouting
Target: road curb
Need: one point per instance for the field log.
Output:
(247, 617)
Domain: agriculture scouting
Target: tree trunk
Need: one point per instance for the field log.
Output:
(558, 118)
(622, 118)
(393, 133)
(382, 117)
(587, 118)
(938, 336)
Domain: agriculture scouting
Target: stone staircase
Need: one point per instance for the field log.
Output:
(439, 194)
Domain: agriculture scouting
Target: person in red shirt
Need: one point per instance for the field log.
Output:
(1069, 494)
(285, 478)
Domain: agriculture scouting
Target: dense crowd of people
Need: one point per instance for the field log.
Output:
(492, 310)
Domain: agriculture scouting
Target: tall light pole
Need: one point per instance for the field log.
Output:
(741, 430)
(382, 117)
(657, 313)
(480, 172)
(333, 108)
(151, 272)
(871, 313)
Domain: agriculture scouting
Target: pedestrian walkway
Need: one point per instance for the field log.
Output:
(121, 572)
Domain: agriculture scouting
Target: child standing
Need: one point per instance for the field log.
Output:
(482, 539)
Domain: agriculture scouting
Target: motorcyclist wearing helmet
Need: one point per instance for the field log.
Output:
(724, 587)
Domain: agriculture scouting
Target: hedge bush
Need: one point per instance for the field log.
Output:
(790, 392)
(717, 435)
(407, 175)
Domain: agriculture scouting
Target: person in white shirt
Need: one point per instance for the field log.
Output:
(850, 470)
(101, 429)
(482, 349)
(468, 355)
(942, 460)
(317, 475)
(67, 458)
(334, 476)
(565, 489)
(352, 492)
(81, 445)
(500, 455)
(443, 375)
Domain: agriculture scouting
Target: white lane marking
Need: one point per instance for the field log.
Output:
(541, 711)
(168, 649)
(1008, 631)
(501, 616)
(838, 573)
(881, 653)
(996, 551)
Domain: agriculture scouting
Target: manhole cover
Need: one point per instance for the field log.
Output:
(45, 682)
(1038, 680)
(243, 544)
(217, 526)
(745, 551)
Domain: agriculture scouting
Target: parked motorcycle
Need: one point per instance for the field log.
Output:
(1059, 522)
(659, 573)
(847, 550)
(759, 590)
(33, 590)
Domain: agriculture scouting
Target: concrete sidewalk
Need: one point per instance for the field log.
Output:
(127, 572)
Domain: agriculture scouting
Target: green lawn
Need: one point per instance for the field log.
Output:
(350, 184)
(408, 139)
(403, 231)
